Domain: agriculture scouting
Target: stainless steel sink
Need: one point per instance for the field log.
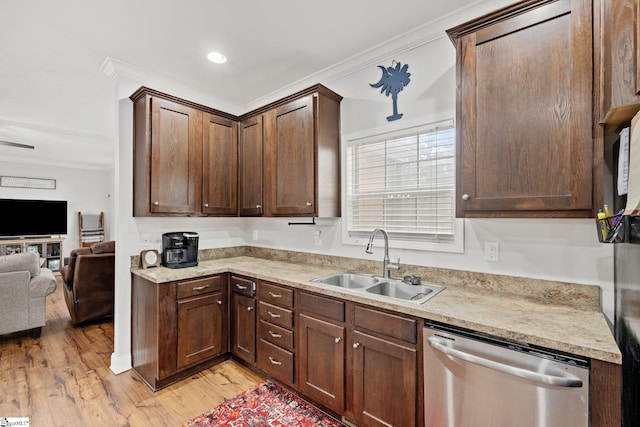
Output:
(389, 288)
(403, 291)
(348, 280)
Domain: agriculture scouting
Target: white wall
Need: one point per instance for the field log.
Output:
(84, 190)
(553, 249)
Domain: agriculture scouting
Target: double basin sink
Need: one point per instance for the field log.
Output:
(390, 288)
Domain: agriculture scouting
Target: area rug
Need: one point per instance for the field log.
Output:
(267, 404)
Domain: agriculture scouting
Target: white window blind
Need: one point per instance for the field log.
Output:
(403, 182)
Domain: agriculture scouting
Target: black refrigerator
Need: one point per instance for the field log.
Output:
(627, 320)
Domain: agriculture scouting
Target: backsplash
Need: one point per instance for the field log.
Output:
(547, 291)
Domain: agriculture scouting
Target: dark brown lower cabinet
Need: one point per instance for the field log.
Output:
(321, 352)
(384, 382)
(243, 327)
(200, 321)
(178, 328)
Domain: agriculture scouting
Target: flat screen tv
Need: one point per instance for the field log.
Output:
(22, 218)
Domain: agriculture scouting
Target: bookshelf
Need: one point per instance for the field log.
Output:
(49, 248)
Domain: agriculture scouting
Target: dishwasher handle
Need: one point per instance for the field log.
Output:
(561, 381)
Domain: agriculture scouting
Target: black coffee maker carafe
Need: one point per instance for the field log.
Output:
(180, 249)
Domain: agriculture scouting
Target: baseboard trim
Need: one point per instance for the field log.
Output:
(120, 364)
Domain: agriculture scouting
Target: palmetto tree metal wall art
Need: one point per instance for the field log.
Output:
(393, 80)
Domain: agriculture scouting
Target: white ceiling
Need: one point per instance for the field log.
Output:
(54, 96)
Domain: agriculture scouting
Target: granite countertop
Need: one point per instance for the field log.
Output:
(577, 330)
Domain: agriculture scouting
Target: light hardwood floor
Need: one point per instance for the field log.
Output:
(63, 379)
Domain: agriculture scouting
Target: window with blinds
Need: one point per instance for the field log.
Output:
(403, 182)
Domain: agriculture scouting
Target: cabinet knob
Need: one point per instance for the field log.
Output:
(356, 344)
(309, 203)
(465, 197)
(219, 302)
(258, 206)
(156, 203)
(338, 339)
(249, 308)
(206, 205)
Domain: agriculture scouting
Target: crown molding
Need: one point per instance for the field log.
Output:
(114, 68)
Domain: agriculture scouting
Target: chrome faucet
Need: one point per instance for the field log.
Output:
(386, 265)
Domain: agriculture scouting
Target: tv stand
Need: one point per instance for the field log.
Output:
(49, 248)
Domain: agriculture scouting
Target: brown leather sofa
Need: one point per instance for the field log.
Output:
(89, 282)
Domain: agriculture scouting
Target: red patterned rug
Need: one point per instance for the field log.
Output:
(267, 404)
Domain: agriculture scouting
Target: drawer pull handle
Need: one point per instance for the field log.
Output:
(338, 339)
(239, 286)
(200, 288)
(273, 361)
(275, 295)
(249, 308)
(273, 315)
(356, 344)
(274, 335)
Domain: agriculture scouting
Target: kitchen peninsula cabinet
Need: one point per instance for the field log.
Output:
(178, 328)
(617, 59)
(251, 170)
(184, 157)
(302, 155)
(243, 318)
(525, 145)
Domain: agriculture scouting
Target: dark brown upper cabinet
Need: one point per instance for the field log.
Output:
(185, 157)
(617, 62)
(525, 145)
(302, 155)
(219, 166)
(251, 170)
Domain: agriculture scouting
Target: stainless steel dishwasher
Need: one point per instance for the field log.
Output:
(473, 380)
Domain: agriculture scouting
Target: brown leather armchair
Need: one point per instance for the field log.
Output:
(89, 282)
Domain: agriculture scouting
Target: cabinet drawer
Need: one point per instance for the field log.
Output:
(243, 286)
(322, 306)
(276, 315)
(388, 324)
(275, 294)
(275, 361)
(201, 286)
(276, 335)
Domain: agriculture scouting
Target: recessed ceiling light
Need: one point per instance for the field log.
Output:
(217, 57)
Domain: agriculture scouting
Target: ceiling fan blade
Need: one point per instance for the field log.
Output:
(17, 145)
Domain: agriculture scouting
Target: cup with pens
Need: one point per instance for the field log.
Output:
(610, 228)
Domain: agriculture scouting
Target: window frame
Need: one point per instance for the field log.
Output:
(389, 130)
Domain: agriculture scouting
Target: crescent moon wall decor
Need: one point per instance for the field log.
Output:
(393, 80)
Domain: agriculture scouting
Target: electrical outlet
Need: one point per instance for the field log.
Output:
(491, 251)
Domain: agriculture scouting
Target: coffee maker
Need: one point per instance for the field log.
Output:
(180, 249)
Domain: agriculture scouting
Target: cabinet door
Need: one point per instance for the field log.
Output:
(620, 67)
(384, 382)
(321, 361)
(201, 329)
(243, 327)
(176, 141)
(525, 114)
(219, 166)
(251, 167)
(290, 163)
